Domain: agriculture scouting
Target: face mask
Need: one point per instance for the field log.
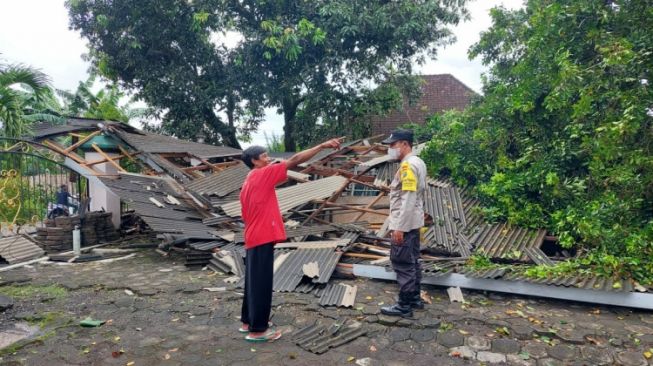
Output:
(393, 153)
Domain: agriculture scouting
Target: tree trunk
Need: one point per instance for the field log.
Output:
(228, 133)
(229, 138)
(289, 112)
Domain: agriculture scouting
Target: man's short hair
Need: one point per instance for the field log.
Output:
(252, 152)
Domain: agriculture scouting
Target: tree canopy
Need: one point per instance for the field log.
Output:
(563, 137)
(302, 57)
(21, 89)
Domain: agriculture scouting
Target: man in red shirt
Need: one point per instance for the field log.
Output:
(263, 228)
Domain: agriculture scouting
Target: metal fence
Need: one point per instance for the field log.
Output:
(32, 185)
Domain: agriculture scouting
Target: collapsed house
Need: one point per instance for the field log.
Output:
(334, 206)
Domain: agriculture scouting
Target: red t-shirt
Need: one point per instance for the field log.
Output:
(259, 205)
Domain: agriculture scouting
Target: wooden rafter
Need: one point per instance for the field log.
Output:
(354, 208)
(369, 206)
(110, 160)
(82, 141)
(62, 150)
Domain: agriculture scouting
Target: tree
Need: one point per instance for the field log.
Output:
(564, 131)
(21, 87)
(105, 104)
(297, 56)
(163, 52)
(322, 60)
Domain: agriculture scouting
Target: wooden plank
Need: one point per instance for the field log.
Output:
(82, 141)
(348, 207)
(362, 255)
(61, 150)
(377, 199)
(127, 154)
(97, 148)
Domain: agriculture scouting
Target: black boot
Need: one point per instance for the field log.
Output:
(402, 308)
(416, 300)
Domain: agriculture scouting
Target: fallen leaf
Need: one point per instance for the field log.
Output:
(648, 355)
(116, 339)
(86, 350)
(463, 332)
(503, 330)
(130, 363)
(368, 297)
(173, 350)
(593, 340)
(109, 322)
(372, 349)
(425, 297)
(351, 359)
(381, 303)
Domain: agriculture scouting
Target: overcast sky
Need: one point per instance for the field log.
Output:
(35, 32)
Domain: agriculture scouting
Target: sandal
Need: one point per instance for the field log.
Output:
(270, 335)
(244, 328)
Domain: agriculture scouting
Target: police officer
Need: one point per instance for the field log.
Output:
(406, 219)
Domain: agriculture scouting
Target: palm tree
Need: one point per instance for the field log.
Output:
(101, 105)
(21, 89)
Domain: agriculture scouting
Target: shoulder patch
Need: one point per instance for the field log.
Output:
(407, 177)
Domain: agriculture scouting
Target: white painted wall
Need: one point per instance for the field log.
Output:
(102, 198)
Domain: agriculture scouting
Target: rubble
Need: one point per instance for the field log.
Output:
(335, 207)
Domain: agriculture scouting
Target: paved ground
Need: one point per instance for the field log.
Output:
(157, 313)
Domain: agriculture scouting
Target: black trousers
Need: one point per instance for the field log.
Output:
(257, 303)
(405, 262)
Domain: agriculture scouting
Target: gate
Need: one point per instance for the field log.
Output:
(34, 182)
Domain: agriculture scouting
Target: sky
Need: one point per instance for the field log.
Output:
(35, 33)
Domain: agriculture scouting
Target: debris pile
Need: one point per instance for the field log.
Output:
(57, 234)
(334, 206)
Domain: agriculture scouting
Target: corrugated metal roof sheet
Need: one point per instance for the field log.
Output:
(296, 195)
(290, 274)
(444, 204)
(222, 183)
(446, 239)
(207, 245)
(16, 249)
(41, 130)
(376, 161)
(155, 143)
(136, 192)
(587, 282)
(319, 338)
(538, 256)
(338, 295)
(503, 240)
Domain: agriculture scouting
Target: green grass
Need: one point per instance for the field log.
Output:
(31, 291)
